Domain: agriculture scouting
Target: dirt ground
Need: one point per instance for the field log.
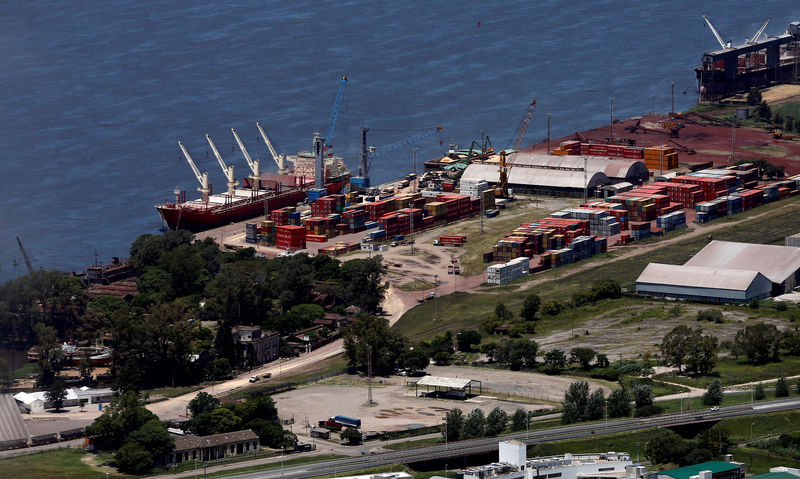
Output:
(397, 408)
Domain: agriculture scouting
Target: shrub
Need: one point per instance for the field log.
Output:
(131, 458)
(711, 315)
(552, 307)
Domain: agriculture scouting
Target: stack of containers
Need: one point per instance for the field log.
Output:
(251, 232)
(771, 192)
(639, 208)
(617, 210)
(711, 186)
(355, 218)
(750, 198)
(640, 230)
(583, 247)
(378, 209)
(294, 218)
(281, 216)
(291, 237)
(709, 210)
(473, 188)
(438, 211)
(268, 235)
(568, 148)
(503, 273)
(671, 221)
(686, 194)
(660, 157)
(735, 204)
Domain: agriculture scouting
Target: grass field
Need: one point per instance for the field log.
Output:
(54, 464)
(467, 310)
(732, 371)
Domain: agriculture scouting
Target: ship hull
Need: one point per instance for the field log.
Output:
(178, 216)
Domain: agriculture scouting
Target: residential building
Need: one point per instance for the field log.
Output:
(258, 347)
(217, 446)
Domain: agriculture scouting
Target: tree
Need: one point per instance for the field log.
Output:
(582, 356)
(517, 353)
(789, 124)
(675, 346)
(132, 458)
(764, 111)
(503, 313)
(225, 420)
(474, 425)
(642, 394)
(203, 403)
(759, 342)
(519, 420)
(782, 387)
(414, 359)
(605, 289)
(530, 307)
(442, 358)
(666, 446)
(619, 403)
(269, 432)
(601, 360)
(489, 349)
(555, 361)
(496, 422)
(798, 386)
(713, 395)
(372, 332)
(119, 420)
(552, 307)
(576, 399)
(221, 369)
(351, 436)
(595, 408)
(154, 438)
(758, 392)
(364, 279)
(466, 339)
(454, 423)
(754, 97)
(57, 393)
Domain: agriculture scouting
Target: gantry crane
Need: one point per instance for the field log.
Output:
(280, 160)
(227, 170)
(202, 178)
(334, 113)
(255, 166)
(368, 153)
(506, 160)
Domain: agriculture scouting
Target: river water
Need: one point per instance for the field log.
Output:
(94, 98)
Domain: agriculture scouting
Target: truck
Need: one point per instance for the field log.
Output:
(452, 240)
(347, 421)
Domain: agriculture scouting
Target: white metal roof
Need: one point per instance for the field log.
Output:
(775, 262)
(436, 381)
(610, 166)
(697, 276)
(12, 427)
(536, 176)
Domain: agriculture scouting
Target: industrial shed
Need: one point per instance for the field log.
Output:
(458, 388)
(697, 283)
(13, 432)
(541, 181)
(780, 264)
(616, 169)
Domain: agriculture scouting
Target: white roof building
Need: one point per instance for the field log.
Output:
(37, 401)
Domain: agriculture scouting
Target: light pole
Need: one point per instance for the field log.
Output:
(611, 126)
(444, 421)
(606, 404)
(751, 431)
(436, 296)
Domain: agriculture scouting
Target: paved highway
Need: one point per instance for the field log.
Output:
(463, 448)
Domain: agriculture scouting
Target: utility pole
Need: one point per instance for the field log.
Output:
(673, 98)
(611, 126)
(436, 296)
(661, 156)
(369, 376)
(549, 152)
(733, 138)
(585, 180)
(483, 211)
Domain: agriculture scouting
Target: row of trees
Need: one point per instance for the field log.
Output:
(475, 424)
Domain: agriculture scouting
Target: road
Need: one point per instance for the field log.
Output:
(484, 445)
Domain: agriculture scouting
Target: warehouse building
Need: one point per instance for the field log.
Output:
(716, 285)
(726, 272)
(781, 264)
(13, 432)
(559, 175)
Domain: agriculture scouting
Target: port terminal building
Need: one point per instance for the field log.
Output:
(725, 272)
(554, 175)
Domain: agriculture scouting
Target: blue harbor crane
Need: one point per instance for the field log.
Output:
(336, 104)
(368, 153)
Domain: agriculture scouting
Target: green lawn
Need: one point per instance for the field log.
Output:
(54, 464)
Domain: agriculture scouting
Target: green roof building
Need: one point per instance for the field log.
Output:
(778, 473)
(707, 470)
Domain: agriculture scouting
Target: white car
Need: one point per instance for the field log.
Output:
(253, 379)
(715, 408)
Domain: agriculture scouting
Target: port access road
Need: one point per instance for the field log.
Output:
(334, 467)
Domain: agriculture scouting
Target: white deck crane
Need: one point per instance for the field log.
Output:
(255, 165)
(228, 170)
(759, 32)
(202, 178)
(717, 35)
(280, 160)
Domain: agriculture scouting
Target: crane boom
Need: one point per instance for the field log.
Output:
(524, 125)
(202, 178)
(367, 154)
(759, 32)
(25, 255)
(336, 104)
(255, 165)
(714, 31)
(280, 160)
(506, 164)
(227, 170)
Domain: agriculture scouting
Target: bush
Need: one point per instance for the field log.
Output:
(552, 307)
(753, 304)
(759, 393)
(609, 374)
(780, 305)
(754, 97)
(710, 315)
(782, 387)
(647, 411)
